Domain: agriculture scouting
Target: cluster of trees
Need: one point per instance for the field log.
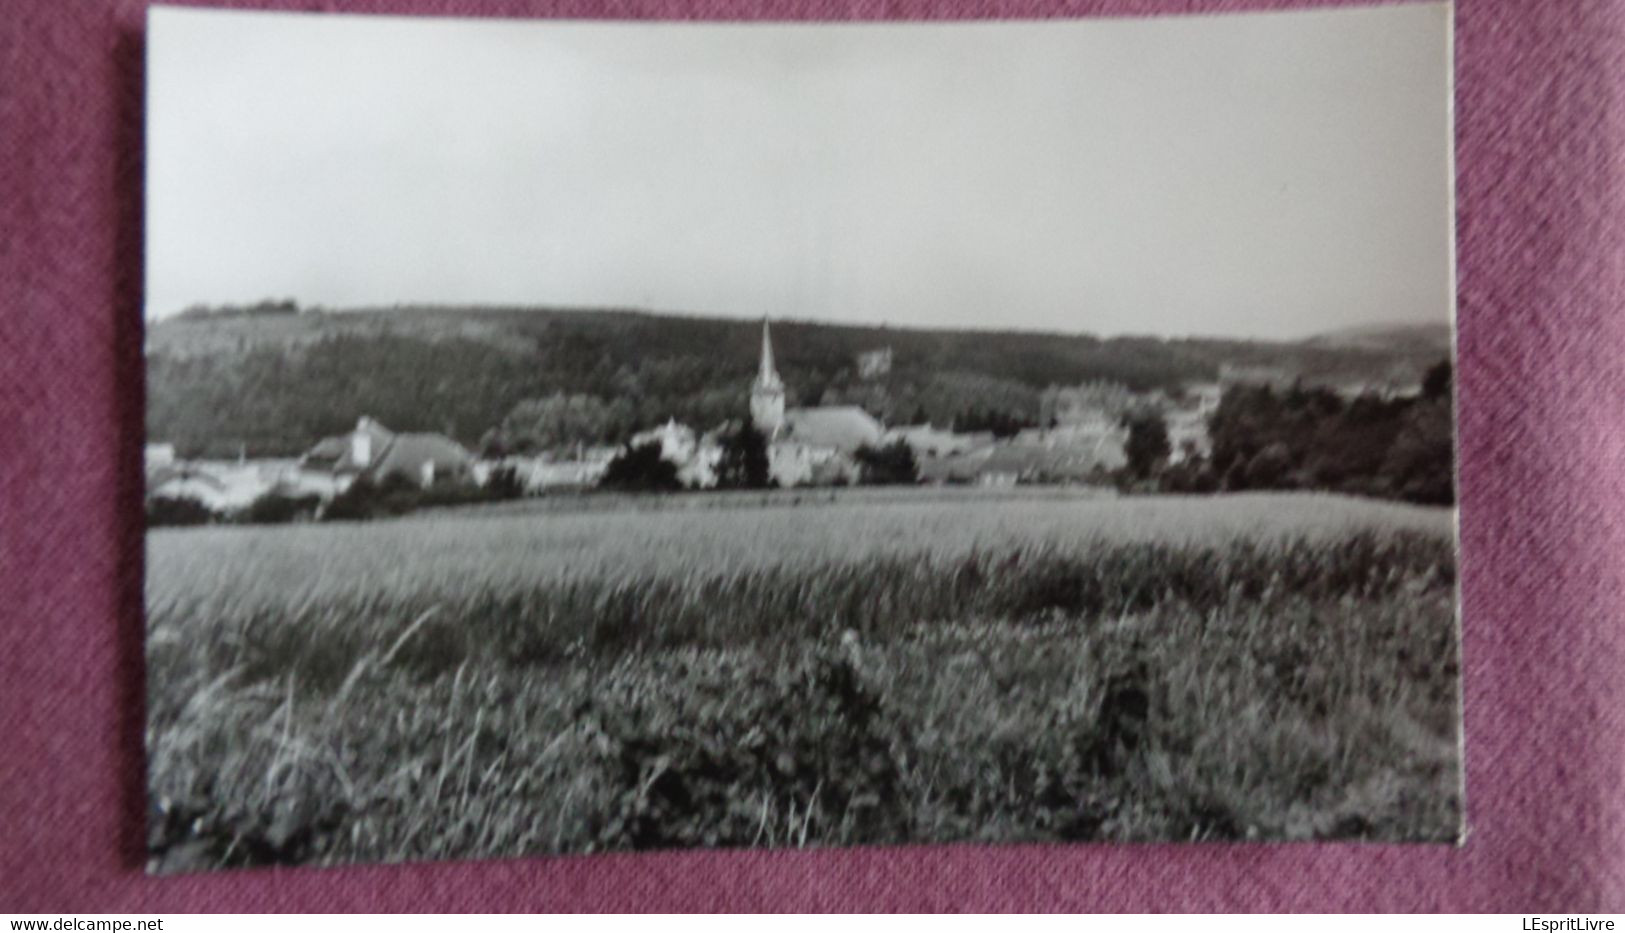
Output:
(1304, 438)
(559, 422)
(641, 468)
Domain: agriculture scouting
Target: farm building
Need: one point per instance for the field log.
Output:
(1070, 456)
(1187, 434)
(378, 453)
(928, 441)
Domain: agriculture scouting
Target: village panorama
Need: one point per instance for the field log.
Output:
(1081, 438)
(579, 437)
(796, 584)
(1100, 434)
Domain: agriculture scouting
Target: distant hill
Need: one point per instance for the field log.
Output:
(1386, 337)
(273, 379)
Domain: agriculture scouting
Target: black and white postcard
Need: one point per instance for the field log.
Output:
(569, 437)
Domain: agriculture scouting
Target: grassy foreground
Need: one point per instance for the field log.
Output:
(859, 671)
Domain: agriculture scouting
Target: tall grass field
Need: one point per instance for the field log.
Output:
(917, 666)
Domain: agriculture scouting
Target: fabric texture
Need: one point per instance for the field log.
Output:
(1541, 211)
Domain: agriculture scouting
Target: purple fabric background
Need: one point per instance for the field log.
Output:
(1540, 137)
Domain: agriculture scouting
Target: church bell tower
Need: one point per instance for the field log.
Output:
(767, 392)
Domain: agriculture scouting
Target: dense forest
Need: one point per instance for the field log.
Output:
(271, 379)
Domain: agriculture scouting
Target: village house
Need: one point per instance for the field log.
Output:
(874, 364)
(696, 456)
(1074, 453)
(156, 457)
(1187, 434)
(1204, 396)
(928, 441)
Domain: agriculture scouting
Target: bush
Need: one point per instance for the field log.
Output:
(275, 508)
(1147, 447)
(890, 465)
(1190, 475)
(366, 499)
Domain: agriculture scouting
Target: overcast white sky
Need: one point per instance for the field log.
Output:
(1267, 175)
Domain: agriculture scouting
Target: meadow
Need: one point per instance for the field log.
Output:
(822, 669)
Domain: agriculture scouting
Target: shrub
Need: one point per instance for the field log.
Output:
(176, 510)
(504, 483)
(745, 463)
(365, 499)
(889, 465)
(1190, 475)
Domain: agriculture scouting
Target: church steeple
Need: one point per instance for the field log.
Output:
(767, 393)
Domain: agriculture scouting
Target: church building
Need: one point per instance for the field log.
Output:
(807, 446)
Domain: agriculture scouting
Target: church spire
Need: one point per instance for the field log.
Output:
(767, 375)
(767, 393)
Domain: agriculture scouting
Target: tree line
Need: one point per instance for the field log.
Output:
(1309, 438)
